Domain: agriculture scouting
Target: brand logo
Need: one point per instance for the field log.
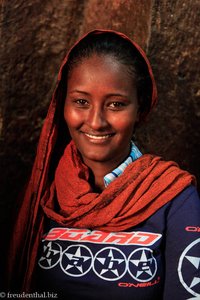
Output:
(101, 237)
(192, 228)
(139, 284)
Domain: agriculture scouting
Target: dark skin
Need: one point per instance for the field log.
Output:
(101, 110)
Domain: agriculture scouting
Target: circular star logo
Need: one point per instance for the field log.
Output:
(76, 260)
(110, 263)
(190, 259)
(50, 256)
(142, 265)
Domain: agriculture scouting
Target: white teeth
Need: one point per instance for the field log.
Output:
(98, 137)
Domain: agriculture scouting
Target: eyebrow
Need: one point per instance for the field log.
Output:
(78, 91)
(108, 95)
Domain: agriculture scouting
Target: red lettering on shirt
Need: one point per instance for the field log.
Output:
(192, 228)
(96, 237)
(54, 234)
(117, 238)
(144, 238)
(139, 284)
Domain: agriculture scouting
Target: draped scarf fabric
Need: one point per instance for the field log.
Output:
(145, 185)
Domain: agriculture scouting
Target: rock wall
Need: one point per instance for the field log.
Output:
(34, 38)
(174, 49)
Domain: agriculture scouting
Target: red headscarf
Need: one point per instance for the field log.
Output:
(144, 187)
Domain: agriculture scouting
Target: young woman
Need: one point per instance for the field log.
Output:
(101, 220)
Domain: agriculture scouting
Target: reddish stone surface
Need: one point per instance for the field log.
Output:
(131, 17)
(174, 50)
(35, 35)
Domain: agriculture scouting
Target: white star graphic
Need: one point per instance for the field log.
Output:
(75, 258)
(145, 268)
(48, 252)
(196, 263)
(111, 263)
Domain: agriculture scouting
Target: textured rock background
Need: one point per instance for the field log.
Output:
(34, 37)
(174, 50)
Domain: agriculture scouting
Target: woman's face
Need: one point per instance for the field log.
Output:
(101, 109)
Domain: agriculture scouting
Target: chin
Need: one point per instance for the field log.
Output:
(97, 157)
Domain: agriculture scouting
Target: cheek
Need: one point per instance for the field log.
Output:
(72, 118)
(124, 123)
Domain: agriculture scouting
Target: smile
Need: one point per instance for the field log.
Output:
(98, 137)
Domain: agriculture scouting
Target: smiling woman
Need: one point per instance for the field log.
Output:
(101, 109)
(101, 215)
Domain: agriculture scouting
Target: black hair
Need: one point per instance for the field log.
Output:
(110, 43)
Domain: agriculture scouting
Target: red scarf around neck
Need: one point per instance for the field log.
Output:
(145, 186)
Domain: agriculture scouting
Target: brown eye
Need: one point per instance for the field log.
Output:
(81, 102)
(117, 104)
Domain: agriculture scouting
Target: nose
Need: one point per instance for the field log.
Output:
(96, 119)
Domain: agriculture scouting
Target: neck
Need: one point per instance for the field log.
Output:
(99, 170)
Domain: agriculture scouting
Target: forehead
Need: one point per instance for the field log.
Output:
(101, 70)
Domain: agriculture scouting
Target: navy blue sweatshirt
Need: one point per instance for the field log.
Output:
(158, 259)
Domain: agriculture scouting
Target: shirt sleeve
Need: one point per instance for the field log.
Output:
(182, 247)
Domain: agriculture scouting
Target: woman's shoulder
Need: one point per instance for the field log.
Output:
(187, 202)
